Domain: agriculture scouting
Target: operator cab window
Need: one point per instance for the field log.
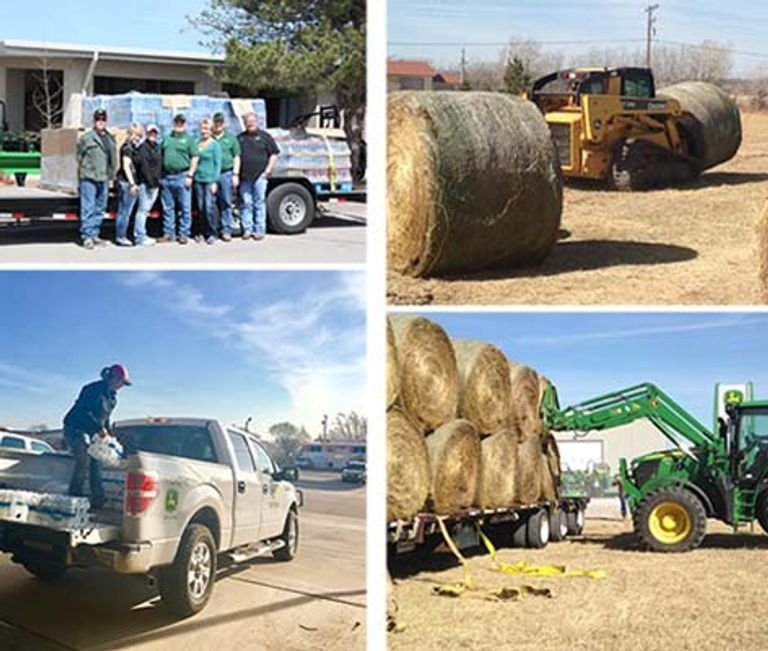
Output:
(637, 83)
(595, 84)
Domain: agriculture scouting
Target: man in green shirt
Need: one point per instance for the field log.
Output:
(96, 158)
(180, 158)
(230, 173)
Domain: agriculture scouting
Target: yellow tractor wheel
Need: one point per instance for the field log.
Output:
(670, 519)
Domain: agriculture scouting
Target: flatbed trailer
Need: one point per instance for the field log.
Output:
(291, 204)
(522, 525)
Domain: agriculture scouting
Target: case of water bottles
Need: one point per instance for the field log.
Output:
(44, 509)
(106, 450)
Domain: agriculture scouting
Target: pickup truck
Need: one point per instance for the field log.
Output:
(187, 491)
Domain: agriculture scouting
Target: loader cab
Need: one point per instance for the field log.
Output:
(746, 432)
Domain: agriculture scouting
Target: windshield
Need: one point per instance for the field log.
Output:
(754, 426)
(355, 465)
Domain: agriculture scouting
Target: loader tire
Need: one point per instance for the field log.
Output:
(628, 169)
(762, 511)
(186, 585)
(670, 519)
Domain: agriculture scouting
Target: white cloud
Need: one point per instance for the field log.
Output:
(33, 380)
(186, 298)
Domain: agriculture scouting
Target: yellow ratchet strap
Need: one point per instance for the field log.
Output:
(525, 569)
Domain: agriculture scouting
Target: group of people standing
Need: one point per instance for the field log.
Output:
(216, 167)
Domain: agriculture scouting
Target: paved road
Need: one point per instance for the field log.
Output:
(316, 601)
(337, 236)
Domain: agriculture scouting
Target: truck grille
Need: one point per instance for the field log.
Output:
(561, 136)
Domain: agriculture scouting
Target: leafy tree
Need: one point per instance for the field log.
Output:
(351, 426)
(517, 79)
(287, 439)
(295, 45)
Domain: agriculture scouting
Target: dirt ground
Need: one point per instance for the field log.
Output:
(711, 598)
(695, 244)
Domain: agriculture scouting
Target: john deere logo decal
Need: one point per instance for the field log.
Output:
(733, 397)
(171, 500)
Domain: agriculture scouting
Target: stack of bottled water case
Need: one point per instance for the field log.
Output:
(114, 489)
(44, 509)
(321, 160)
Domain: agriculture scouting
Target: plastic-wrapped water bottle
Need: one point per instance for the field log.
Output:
(106, 450)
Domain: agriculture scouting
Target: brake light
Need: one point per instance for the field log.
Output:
(140, 491)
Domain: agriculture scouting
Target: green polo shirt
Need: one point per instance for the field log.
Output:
(230, 148)
(178, 151)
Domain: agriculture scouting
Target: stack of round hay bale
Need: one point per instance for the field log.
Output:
(463, 425)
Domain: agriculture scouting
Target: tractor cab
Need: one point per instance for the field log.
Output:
(565, 88)
(746, 439)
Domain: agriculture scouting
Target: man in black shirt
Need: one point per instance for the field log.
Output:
(89, 417)
(258, 157)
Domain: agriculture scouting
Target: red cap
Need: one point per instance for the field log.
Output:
(118, 371)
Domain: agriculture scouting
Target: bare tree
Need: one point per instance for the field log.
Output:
(483, 75)
(351, 426)
(48, 95)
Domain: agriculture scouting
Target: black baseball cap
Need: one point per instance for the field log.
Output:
(218, 117)
(100, 114)
(179, 118)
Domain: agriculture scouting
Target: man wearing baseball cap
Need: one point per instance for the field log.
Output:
(97, 162)
(230, 173)
(89, 417)
(180, 158)
(149, 166)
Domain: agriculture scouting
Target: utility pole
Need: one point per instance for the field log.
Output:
(463, 65)
(651, 32)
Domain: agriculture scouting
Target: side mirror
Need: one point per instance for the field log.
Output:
(288, 474)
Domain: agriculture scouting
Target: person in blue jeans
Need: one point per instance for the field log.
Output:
(96, 162)
(230, 173)
(258, 157)
(180, 157)
(149, 166)
(128, 183)
(206, 179)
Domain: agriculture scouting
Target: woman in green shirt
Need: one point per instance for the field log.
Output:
(206, 177)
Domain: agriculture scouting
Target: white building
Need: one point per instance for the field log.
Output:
(79, 70)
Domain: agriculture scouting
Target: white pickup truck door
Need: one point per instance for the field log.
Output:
(248, 493)
(273, 510)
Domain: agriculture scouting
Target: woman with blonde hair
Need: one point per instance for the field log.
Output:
(128, 182)
(206, 177)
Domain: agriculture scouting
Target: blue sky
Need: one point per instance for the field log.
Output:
(587, 354)
(272, 345)
(741, 23)
(139, 23)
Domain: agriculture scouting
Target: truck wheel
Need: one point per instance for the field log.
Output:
(670, 519)
(45, 571)
(558, 529)
(537, 535)
(290, 208)
(574, 520)
(186, 585)
(519, 537)
(290, 537)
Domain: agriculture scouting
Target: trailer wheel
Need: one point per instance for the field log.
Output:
(186, 584)
(670, 519)
(290, 208)
(574, 521)
(519, 537)
(45, 570)
(538, 530)
(290, 537)
(558, 528)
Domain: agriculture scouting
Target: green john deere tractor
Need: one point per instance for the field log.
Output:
(671, 493)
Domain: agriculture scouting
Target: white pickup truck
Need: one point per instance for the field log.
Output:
(187, 491)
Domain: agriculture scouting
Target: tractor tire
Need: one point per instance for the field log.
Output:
(186, 585)
(519, 533)
(670, 520)
(574, 521)
(537, 530)
(290, 208)
(762, 511)
(558, 527)
(628, 169)
(290, 537)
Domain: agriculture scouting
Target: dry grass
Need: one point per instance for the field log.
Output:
(690, 245)
(712, 598)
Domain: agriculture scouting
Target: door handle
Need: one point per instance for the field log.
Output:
(264, 489)
(241, 487)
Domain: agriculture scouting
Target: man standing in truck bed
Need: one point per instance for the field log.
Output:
(89, 417)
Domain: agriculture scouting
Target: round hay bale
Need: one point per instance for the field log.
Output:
(454, 456)
(525, 401)
(473, 183)
(712, 121)
(429, 379)
(529, 467)
(393, 372)
(484, 386)
(408, 471)
(497, 484)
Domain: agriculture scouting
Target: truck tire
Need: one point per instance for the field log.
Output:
(537, 530)
(558, 528)
(290, 537)
(670, 519)
(290, 208)
(186, 584)
(45, 570)
(519, 533)
(574, 520)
